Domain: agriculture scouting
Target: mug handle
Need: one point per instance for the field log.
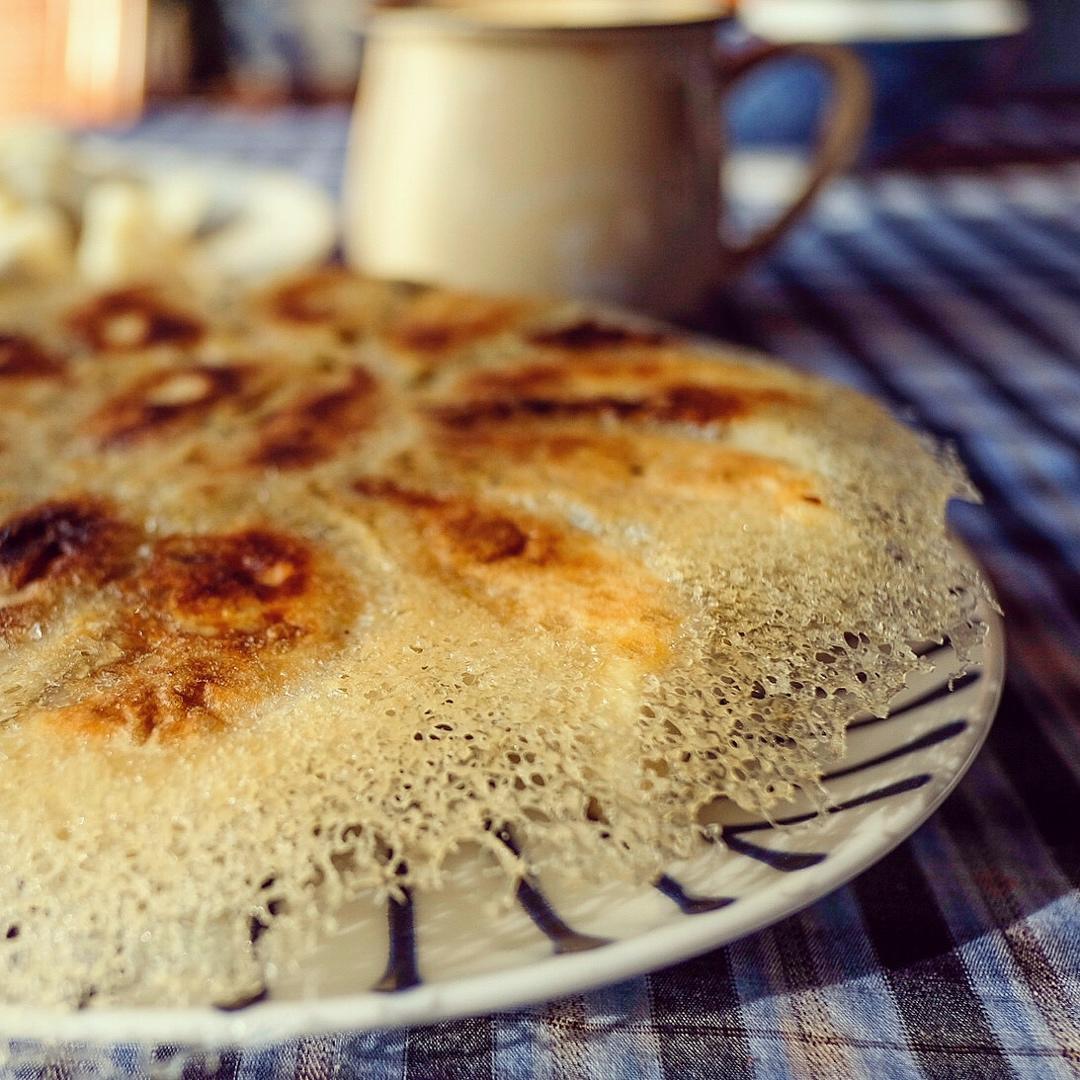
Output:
(839, 142)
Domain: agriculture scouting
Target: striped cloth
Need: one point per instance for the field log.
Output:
(954, 297)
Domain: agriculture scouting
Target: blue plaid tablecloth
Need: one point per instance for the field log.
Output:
(953, 294)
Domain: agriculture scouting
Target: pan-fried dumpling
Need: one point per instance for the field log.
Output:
(304, 591)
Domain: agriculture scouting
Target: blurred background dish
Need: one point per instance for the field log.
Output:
(110, 212)
(239, 221)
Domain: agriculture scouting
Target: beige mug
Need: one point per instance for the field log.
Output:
(564, 147)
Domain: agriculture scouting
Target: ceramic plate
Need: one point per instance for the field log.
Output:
(448, 955)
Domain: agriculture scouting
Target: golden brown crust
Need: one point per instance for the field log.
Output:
(165, 402)
(531, 571)
(575, 455)
(468, 532)
(435, 322)
(318, 297)
(246, 585)
(213, 623)
(77, 540)
(204, 626)
(315, 426)
(133, 318)
(593, 335)
(679, 404)
(22, 358)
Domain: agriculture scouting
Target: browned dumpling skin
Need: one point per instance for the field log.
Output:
(531, 571)
(130, 319)
(199, 627)
(22, 358)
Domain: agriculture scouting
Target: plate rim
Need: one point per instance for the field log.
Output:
(203, 1027)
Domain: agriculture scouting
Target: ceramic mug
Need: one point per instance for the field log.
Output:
(564, 147)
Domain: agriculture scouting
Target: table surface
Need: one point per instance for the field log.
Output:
(953, 294)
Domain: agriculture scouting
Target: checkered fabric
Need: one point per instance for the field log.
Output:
(954, 296)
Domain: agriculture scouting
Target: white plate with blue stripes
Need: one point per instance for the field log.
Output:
(458, 953)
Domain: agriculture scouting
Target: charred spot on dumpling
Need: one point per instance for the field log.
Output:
(478, 534)
(22, 358)
(249, 582)
(169, 686)
(16, 619)
(315, 426)
(187, 697)
(519, 382)
(530, 443)
(587, 335)
(698, 405)
(71, 539)
(196, 689)
(215, 625)
(130, 319)
(523, 567)
(704, 405)
(500, 410)
(559, 380)
(437, 321)
(378, 487)
(484, 412)
(486, 538)
(325, 296)
(165, 401)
